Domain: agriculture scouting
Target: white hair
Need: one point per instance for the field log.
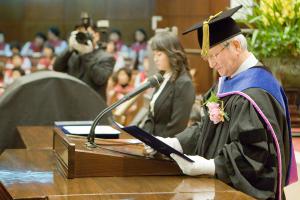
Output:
(241, 38)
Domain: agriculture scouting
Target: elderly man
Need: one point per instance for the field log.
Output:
(244, 137)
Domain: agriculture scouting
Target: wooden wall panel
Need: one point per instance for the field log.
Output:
(130, 9)
(203, 76)
(182, 7)
(183, 14)
(48, 10)
(21, 19)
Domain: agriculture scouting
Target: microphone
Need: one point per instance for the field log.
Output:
(153, 81)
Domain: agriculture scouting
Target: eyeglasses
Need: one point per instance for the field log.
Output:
(214, 56)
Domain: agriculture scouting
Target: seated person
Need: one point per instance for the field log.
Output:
(54, 40)
(140, 37)
(142, 75)
(139, 48)
(35, 47)
(122, 79)
(122, 58)
(18, 61)
(12, 74)
(116, 37)
(4, 47)
(48, 58)
(15, 48)
(123, 113)
(172, 102)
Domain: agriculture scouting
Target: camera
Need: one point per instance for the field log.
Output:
(83, 38)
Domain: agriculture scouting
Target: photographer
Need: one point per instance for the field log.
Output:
(86, 60)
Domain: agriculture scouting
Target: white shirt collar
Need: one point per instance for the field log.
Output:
(248, 63)
(167, 77)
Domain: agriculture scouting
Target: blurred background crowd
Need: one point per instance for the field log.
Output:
(124, 66)
(19, 59)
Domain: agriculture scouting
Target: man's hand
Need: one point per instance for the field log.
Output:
(172, 142)
(198, 167)
(80, 48)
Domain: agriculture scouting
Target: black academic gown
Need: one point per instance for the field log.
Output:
(243, 151)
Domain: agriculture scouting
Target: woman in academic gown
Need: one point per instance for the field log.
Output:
(171, 103)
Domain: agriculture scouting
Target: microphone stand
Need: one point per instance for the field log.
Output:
(152, 82)
(91, 137)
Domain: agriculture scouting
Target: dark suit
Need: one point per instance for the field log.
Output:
(172, 108)
(93, 68)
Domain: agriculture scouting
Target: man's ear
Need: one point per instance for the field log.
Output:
(237, 45)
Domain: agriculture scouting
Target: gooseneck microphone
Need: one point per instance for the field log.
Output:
(153, 81)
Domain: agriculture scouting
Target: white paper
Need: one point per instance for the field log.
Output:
(133, 141)
(80, 130)
(118, 125)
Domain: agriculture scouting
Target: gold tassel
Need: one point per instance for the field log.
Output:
(205, 39)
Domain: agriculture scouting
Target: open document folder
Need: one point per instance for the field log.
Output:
(152, 141)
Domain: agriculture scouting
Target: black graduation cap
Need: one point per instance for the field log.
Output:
(216, 29)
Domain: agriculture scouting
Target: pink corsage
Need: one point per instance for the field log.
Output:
(216, 109)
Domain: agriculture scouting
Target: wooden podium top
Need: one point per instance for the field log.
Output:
(33, 174)
(41, 137)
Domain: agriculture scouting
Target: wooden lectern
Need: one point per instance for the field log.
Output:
(112, 157)
(4, 194)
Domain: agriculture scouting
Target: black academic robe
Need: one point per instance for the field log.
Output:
(242, 148)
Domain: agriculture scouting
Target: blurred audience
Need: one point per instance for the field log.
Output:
(17, 61)
(15, 48)
(122, 58)
(139, 48)
(4, 47)
(122, 86)
(15, 69)
(116, 36)
(35, 47)
(122, 83)
(48, 58)
(142, 75)
(55, 41)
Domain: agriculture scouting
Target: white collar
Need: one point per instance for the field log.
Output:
(167, 75)
(248, 63)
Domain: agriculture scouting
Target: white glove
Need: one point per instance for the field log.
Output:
(198, 167)
(172, 142)
(81, 48)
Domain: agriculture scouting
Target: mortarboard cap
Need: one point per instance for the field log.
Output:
(216, 29)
